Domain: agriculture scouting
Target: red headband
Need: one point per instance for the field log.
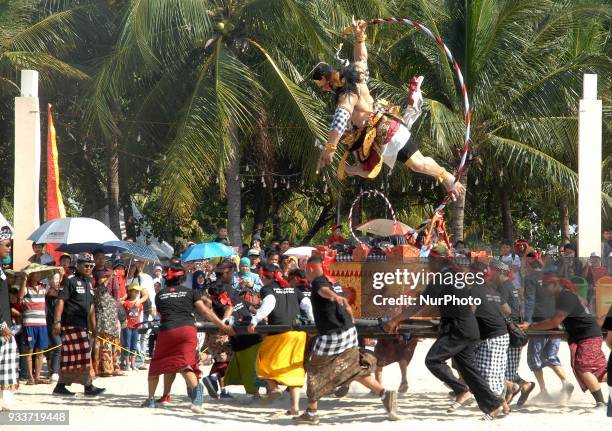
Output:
(325, 265)
(223, 298)
(171, 274)
(274, 275)
(299, 279)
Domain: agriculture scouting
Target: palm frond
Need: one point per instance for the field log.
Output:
(224, 101)
(294, 107)
(528, 162)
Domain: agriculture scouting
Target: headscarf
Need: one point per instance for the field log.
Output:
(245, 261)
(194, 281)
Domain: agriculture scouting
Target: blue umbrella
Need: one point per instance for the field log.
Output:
(134, 249)
(82, 247)
(207, 250)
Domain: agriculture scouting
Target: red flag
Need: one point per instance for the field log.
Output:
(55, 204)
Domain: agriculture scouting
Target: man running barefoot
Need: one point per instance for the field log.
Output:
(336, 360)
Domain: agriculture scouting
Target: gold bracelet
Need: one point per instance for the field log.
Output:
(440, 177)
(361, 39)
(330, 146)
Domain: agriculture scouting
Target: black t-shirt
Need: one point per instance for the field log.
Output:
(5, 302)
(490, 319)
(242, 316)
(458, 320)
(510, 296)
(78, 295)
(175, 306)
(305, 289)
(579, 324)
(329, 316)
(287, 307)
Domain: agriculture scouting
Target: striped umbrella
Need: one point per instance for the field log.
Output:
(134, 249)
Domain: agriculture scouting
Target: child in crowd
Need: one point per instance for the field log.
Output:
(32, 296)
(133, 311)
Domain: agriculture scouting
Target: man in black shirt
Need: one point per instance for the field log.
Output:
(218, 345)
(75, 318)
(176, 345)
(281, 356)
(583, 335)
(335, 360)
(500, 279)
(492, 351)
(542, 351)
(9, 361)
(459, 336)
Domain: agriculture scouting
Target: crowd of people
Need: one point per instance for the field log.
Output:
(92, 315)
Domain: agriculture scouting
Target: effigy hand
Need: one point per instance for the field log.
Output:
(325, 158)
(359, 27)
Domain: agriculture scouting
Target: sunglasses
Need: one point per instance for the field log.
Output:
(88, 265)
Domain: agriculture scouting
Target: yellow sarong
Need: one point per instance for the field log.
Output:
(281, 358)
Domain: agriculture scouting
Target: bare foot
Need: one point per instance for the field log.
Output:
(505, 407)
(493, 414)
(461, 398)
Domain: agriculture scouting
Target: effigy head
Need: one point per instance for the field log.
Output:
(328, 78)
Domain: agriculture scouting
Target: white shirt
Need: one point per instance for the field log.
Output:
(514, 259)
(146, 281)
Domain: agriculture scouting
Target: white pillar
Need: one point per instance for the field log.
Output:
(589, 169)
(27, 167)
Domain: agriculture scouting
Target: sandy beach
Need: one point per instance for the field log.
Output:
(424, 405)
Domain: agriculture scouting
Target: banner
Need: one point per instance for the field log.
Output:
(55, 204)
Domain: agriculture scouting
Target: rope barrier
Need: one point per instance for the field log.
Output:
(98, 337)
(41, 352)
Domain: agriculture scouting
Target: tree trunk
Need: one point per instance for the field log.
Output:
(125, 198)
(326, 215)
(112, 184)
(264, 158)
(234, 196)
(565, 225)
(458, 214)
(506, 215)
(276, 219)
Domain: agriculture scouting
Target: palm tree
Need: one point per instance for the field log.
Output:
(225, 62)
(27, 42)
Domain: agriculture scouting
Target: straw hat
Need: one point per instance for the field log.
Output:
(134, 286)
(37, 267)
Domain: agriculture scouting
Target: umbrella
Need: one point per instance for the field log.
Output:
(207, 250)
(81, 247)
(384, 227)
(73, 230)
(303, 251)
(133, 249)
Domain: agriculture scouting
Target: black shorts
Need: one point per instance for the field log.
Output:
(407, 150)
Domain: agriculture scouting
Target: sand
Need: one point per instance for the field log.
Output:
(423, 407)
